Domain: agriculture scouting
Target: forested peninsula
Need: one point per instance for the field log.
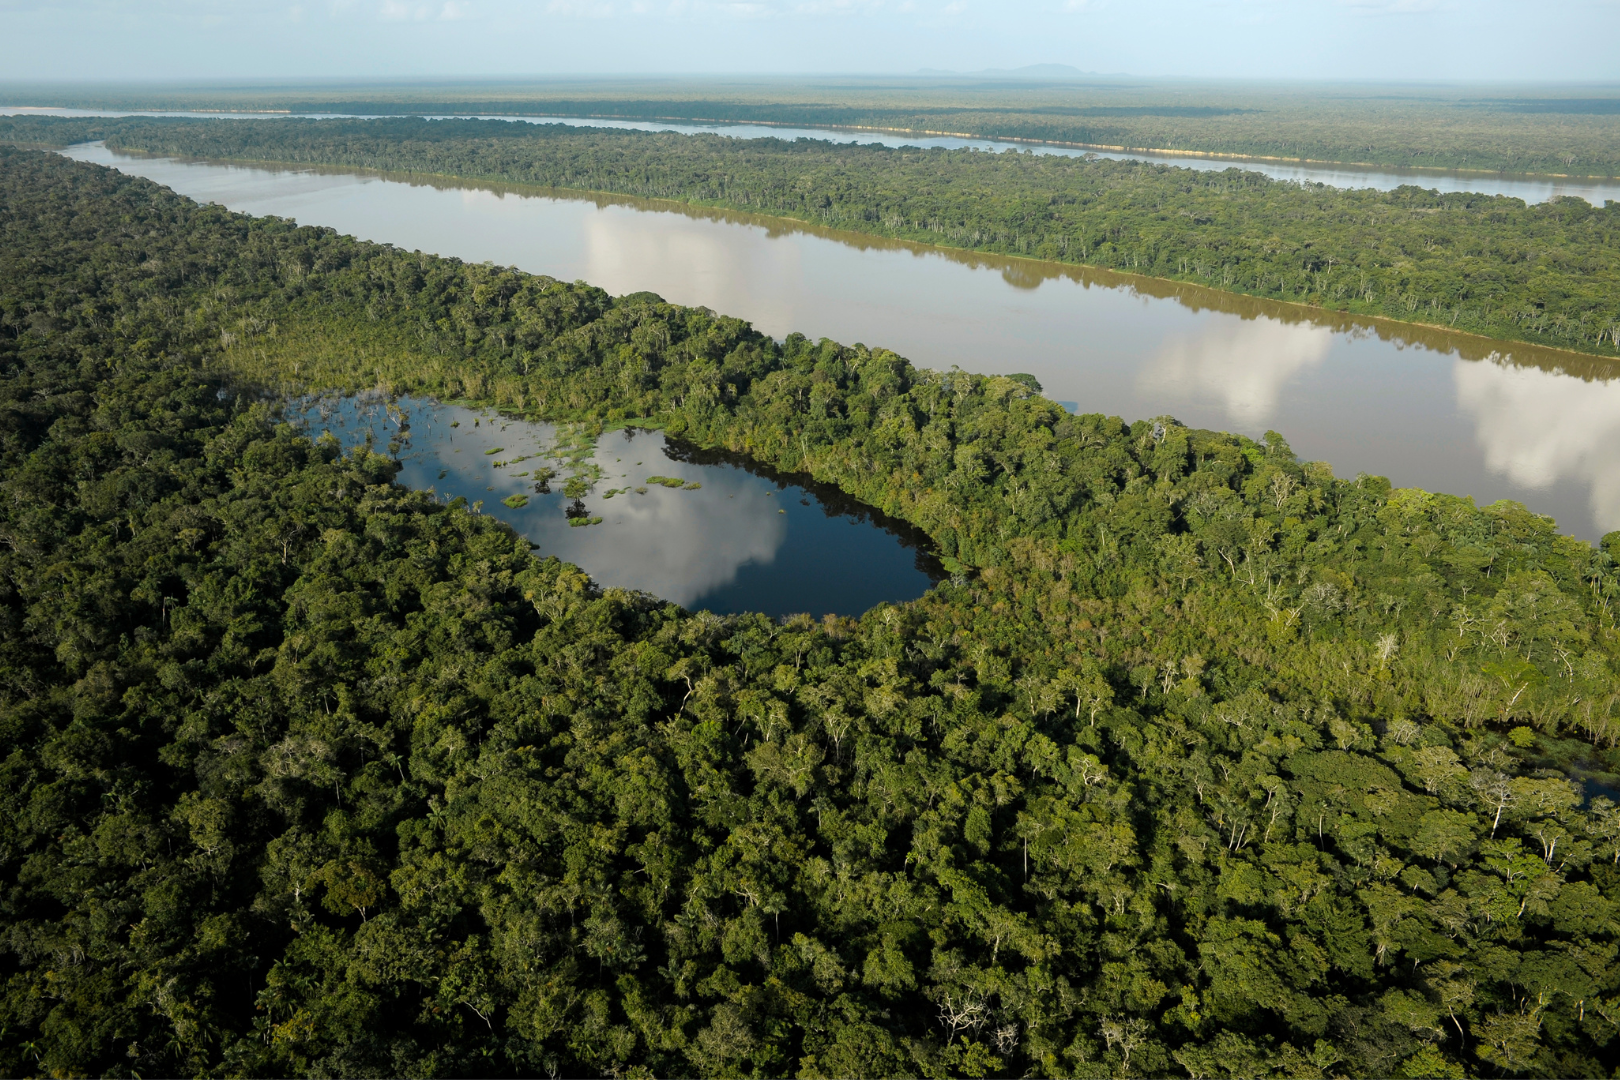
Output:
(1488, 265)
(1207, 762)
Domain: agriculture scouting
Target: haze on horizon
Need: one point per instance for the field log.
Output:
(1490, 41)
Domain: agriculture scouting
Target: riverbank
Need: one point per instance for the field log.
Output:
(1440, 337)
(1491, 267)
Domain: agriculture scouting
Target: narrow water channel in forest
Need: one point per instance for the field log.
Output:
(635, 510)
(1422, 406)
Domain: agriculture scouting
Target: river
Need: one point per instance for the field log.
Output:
(1426, 408)
(1532, 189)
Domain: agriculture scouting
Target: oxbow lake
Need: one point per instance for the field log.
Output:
(717, 534)
(1426, 408)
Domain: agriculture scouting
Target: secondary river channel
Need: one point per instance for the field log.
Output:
(1530, 188)
(1425, 408)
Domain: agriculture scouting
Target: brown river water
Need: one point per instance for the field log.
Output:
(1445, 412)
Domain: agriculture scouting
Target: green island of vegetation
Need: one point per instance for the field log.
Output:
(1488, 265)
(1205, 761)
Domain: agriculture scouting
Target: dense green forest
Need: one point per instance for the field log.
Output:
(1207, 763)
(1558, 130)
(1483, 264)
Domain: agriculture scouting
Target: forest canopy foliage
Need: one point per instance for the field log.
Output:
(1566, 130)
(1483, 264)
(1217, 764)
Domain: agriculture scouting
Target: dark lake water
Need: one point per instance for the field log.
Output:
(719, 534)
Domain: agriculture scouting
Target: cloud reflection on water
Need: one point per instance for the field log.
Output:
(1241, 365)
(1341, 388)
(1538, 428)
(679, 545)
(687, 261)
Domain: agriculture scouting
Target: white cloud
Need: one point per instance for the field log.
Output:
(1538, 428)
(403, 11)
(1243, 365)
(399, 11)
(1396, 7)
(580, 9)
(828, 7)
(204, 39)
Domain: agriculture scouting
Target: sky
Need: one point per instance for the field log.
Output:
(1445, 40)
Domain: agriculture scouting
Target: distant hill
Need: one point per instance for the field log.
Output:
(1032, 71)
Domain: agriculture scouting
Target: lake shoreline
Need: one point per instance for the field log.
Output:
(701, 527)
